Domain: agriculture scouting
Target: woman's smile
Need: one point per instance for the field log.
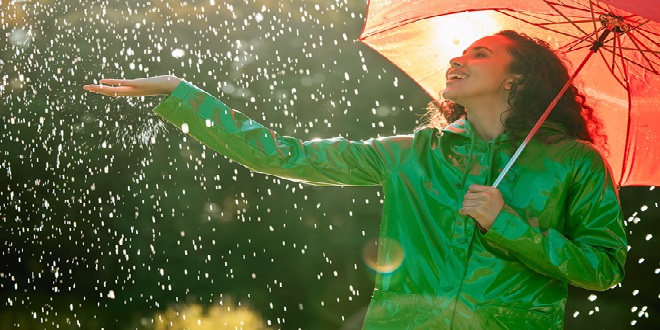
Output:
(455, 75)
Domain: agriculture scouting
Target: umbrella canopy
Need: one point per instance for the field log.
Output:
(621, 81)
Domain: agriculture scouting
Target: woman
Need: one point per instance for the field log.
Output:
(476, 257)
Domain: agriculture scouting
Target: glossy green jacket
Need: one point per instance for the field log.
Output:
(562, 222)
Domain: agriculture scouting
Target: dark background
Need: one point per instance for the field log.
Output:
(111, 218)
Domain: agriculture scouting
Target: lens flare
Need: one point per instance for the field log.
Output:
(384, 255)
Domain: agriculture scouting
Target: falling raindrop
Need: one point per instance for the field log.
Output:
(21, 38)
(177, 53)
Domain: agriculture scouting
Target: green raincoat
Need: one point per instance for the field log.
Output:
(562, 222)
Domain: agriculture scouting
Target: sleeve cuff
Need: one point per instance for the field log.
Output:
(504, 225)
(174, 100)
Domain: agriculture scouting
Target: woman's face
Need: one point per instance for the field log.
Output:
(481, 73)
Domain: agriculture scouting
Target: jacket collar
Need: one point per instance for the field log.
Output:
(464, 128)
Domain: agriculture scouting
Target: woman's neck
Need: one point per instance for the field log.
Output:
(487, 123)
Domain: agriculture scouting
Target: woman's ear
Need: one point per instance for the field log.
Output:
(511, 81)
(508, 83)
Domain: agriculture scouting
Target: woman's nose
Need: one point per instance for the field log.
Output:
(456, 62)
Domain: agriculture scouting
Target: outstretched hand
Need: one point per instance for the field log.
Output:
(160, 85)
(483, 204)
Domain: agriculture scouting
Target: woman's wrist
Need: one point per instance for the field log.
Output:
(172, 83)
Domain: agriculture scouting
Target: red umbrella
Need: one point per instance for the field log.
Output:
(621, 79)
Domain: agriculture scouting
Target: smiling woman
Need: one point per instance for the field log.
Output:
(467, 255)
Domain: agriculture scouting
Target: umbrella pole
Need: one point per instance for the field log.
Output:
(545, 114)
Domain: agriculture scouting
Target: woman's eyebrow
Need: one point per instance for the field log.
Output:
(479, 48)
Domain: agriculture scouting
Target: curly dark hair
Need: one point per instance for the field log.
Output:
(543, 74)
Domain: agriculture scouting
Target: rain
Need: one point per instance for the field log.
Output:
(111, 218)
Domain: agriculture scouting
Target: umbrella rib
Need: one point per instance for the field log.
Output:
(648, 38)
(593, 17)
(566, 18)
(616, 40)
(546, 21)
(641, 46)
(648, 61)
(413, 20)
(545, 27)
(629, 60)
(576, 49)
(648, 51)
(638, 47)
(645, 32)
(571, 46)
(577, 40)
(624, 65)
(561, 23)
(633, 62)
(610, 68)
(628, 122)
(582, 8)
(636, 27)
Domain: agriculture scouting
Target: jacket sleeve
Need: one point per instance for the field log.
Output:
(334, 161)
(591, 251)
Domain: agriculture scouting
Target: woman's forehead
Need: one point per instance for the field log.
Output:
(492, 43)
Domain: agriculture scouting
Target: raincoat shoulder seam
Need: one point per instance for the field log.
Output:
(407, 159)
(398, 167)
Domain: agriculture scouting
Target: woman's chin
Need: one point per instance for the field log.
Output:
(448, 95)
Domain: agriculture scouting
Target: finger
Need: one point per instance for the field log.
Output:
(469, 211)
(472, 213)
(93, 87)
(475, 197)
(116, 82)
(470, 196)
(463, 210)
(478, 188)
(473, 202)
(111, 91)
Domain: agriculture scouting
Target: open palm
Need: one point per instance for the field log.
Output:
(160, 85)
